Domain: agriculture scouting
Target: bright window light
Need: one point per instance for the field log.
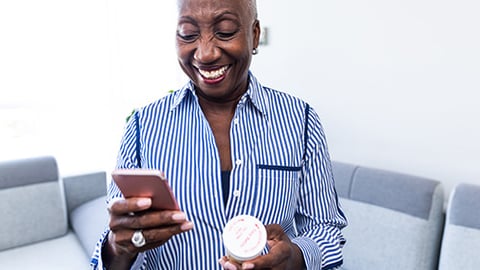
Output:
(71, 71)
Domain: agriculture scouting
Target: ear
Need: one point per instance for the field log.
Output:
(256, 33)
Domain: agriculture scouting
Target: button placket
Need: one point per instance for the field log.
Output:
(236, 155)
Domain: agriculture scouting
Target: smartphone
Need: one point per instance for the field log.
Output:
(146, 183)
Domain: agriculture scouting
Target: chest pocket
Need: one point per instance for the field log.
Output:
(277, 190)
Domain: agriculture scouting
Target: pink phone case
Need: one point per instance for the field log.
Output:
(146, 183)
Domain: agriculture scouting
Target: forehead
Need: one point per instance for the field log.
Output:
(210, 9)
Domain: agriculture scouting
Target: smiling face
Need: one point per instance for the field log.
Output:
(215, 40)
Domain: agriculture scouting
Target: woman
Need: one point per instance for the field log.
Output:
(228, 146)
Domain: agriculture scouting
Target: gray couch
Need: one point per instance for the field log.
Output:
(49, 222)
(396, 221)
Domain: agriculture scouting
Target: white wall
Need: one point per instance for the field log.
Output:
(396, 83)
(71, 71)
(54, 81)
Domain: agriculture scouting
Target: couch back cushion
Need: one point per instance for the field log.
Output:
(462, 229)
(31, 202)
(87, 208)
(395, 220)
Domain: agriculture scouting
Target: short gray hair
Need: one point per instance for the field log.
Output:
(252, 5)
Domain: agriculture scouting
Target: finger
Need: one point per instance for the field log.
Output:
(277, 255)
(222, 260)
(230, 266)
(265, 261)
(149, 219)
(156, 237)
(227, 264)
(113, 201)
(248, 265)
(163, 234)
(125, 206)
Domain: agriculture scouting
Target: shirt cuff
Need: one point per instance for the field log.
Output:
(137, 264)
(312, 255)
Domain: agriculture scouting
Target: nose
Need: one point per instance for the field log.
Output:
(207, 52)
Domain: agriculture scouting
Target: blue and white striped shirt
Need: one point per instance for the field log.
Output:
(281, 174)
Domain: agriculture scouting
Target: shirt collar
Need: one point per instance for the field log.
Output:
(182, 94)
(255, 93)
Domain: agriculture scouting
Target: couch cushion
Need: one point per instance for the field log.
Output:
(460, 248)
(401, 192)
(88, 221)
(464, 206)
(24, 172)
(395, 220)
(461, 236)
(31, 202)
(375, 233)
(57, 254)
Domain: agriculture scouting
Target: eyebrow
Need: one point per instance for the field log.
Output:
(187, 19)
(226, 13)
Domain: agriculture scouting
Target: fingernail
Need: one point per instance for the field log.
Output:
(144, 202)
(221, 261)
(229, 266)
(248, 266)
(186, 226)
(178, 216)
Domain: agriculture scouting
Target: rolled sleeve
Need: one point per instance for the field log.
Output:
(312, 254)
(322, 248)
(319, 217)
(96, 260)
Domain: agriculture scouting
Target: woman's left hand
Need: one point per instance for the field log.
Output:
(283, 254)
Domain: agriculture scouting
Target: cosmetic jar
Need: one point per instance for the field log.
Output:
(244, 237)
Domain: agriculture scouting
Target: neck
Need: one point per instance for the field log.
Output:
(218, 105)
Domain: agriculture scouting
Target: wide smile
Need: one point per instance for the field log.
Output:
(212, 76)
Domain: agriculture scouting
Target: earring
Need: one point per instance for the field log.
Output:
(255, 51)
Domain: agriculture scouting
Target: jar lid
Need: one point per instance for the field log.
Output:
(244, 237)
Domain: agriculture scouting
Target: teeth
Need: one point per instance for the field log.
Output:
(214, 73)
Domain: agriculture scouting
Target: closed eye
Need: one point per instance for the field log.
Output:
(225, 35)
(188, 38)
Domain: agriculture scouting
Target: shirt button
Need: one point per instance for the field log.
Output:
(236, 193)
(238, 162)
(235, 121)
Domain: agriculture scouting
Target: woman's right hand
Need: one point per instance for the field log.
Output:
(134, 214)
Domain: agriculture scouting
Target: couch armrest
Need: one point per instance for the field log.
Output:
(80, 189)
